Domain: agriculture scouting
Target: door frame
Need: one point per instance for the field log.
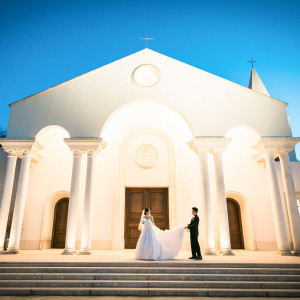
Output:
(239, 219)
(55, 219)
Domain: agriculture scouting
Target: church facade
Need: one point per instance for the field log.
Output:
(82, 160)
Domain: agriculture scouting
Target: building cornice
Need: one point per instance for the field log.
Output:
(275, 145)
(206, 144)
(20, 145)
(84, 144)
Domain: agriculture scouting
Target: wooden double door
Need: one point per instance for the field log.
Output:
(137, 199)
(60, 223)
(235, 224)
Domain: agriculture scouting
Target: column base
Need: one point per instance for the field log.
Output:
(285, 252)
(68, 252)
(85, 252)
(12, 251)
(226, 252)
(2, 251)
(210, 252)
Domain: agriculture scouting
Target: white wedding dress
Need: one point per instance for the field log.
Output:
(156, 244)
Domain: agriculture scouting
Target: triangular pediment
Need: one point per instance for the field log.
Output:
(212, 105)
(146, 56)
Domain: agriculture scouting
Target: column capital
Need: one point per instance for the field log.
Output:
(204, 144)
(86, 144)
(11, 152)
(198, 147)
(16, 145)
(273, 146)
(22, 145)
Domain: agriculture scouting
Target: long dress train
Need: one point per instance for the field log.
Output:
(156, 244)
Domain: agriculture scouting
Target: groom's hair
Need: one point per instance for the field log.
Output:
(195, 209)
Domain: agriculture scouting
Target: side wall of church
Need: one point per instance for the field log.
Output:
(2, 167)
(296, 174)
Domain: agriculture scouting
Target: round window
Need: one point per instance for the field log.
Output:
(146, 75)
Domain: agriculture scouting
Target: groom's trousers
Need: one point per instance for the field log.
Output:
(195, 245)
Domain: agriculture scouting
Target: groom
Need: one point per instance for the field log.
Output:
(193, 227)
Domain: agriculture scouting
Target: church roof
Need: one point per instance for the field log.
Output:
(256, 84)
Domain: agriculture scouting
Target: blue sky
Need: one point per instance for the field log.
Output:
(44, 43)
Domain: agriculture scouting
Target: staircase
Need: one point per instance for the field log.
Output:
(170, 278)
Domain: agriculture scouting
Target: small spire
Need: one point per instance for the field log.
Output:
(251, 62)
(255, 82)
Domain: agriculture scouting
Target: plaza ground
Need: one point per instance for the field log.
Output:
(54, 255)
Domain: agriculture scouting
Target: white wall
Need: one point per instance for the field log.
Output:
(47, 177)
(296, 174)
(2, 167)
(244, 175)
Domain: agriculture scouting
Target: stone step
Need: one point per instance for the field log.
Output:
(153, 270)
(150, 283)
(145, 276)
(150, 292)
(170, 264)
(150, 279)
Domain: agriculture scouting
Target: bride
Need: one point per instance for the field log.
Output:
(156, 244)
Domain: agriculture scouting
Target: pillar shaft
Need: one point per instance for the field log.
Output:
(225, 245)
(73, 204)
(280, 227)
(291, 200)
(88, 204)
(16, 226)
(5, 199)
(206, 203)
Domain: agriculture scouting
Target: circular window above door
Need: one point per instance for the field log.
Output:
(146, 75)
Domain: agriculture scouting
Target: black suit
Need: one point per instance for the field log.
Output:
(193, 227)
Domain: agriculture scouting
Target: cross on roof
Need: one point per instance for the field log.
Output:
(147, 39)
(252, 62)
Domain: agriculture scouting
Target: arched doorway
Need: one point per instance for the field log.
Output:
(235, 224)
(60, 223)
(146, 148)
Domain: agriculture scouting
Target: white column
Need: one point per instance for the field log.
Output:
(16, 226)
(291, 199)
(225, 245)
(6, 195)
(73, 204)
(280, 227)
(206, 204)
(88, 204)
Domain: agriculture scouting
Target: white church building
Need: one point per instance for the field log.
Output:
(81, 160)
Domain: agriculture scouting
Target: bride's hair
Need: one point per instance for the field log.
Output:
(146, 211)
